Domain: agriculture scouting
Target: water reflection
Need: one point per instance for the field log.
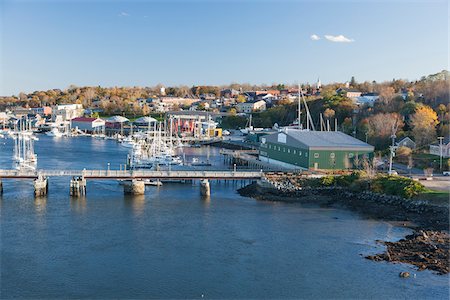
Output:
(40, 205)
(78, 204)
(137, 203)
(206, 201)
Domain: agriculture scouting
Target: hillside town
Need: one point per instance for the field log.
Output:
(406, 120)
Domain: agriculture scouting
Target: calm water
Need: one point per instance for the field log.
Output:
(172, 244)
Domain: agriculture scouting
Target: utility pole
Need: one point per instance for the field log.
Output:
(440, 152)
(392, 154)
(392, 147)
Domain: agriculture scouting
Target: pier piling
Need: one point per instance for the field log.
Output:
(205, 188)
(134, 187)
(40, 186)
(1, 187)
(78, 187)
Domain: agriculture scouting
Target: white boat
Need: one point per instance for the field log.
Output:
(54, 132)
(153, 182)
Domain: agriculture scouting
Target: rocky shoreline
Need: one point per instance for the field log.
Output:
(427, 248)
(424, 249)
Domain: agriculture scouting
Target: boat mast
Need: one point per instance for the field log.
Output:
(299, 108)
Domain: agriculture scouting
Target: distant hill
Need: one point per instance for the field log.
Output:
(443, 75)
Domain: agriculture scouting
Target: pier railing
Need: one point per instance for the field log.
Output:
(131, 174)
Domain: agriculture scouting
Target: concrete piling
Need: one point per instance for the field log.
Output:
(1, 187)
(205, 188)
(78, 187)
(40, 186)
(134, 187)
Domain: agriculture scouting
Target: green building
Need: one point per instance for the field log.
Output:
(294, 148)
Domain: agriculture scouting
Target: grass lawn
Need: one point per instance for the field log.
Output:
(435, 197)
(426, 160)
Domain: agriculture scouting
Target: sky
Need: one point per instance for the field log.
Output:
(53, 44)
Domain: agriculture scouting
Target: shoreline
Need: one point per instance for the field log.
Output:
(427, 248)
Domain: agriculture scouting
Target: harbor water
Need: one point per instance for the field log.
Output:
(172, 243)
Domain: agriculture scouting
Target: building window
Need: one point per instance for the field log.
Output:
(294, 151)
(284, 149)
(316, 155)
(270, 146)
(300, 153)
(306, 154)
(279, 149)
(289, 150)
(332, 155)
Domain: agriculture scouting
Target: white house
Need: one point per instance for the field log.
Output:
(368, 98)
(436, 150)
(67, 111)
(251, 106)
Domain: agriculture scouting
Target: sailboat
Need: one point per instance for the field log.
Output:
(24, 156)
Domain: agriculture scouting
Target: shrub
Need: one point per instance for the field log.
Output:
(397, 185)
(328, 180)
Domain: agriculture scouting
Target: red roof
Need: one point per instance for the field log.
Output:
(83, 119)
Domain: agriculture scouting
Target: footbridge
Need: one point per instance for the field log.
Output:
(134, 180)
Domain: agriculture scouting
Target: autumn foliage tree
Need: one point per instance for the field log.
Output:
(423, 124)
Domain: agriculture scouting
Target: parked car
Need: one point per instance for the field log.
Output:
(446, 173)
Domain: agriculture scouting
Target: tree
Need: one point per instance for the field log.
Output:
(423, 124)
(241, 99)
(386, 95)
(329, 113)
(403, 154)
(381, 127)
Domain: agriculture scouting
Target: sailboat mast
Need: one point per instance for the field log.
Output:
(299, 108)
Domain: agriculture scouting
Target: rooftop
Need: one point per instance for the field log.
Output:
(321, 139)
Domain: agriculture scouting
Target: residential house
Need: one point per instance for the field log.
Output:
(67, 112)
(407, 142)
(349, 92)
(251, 106)
(43, 111)
(367, 99)
(229, 93)
(436, 148)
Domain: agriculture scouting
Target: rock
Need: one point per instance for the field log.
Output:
(404, 274)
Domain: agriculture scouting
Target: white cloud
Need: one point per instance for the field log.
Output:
(124, 14)
(338, 39)
(315, 37)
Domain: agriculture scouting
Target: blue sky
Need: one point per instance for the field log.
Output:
(52, 44)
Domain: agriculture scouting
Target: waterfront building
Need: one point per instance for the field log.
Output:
(116, 122)
(88, 124)
(294, 148)
(67, 112)
(43, 111)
